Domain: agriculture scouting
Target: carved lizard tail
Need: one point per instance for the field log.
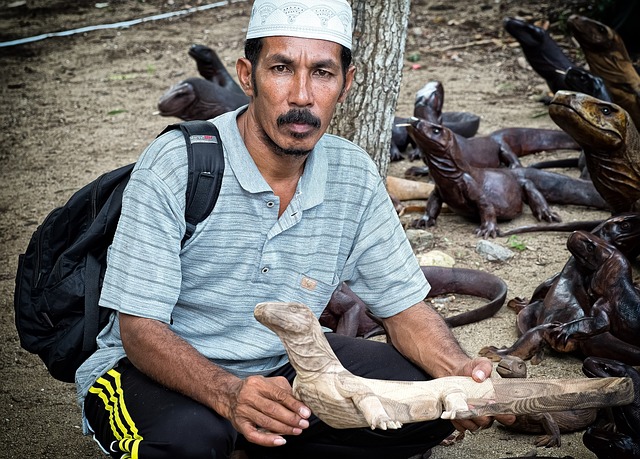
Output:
(563, 227)
(527, 396)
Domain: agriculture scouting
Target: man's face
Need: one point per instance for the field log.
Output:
(298, 84)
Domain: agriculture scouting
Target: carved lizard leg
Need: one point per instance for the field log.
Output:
(366, 401)
(507, 155)
(453, 400)
(537, 202)
(552, 437)
(530, 345)
(434, 206)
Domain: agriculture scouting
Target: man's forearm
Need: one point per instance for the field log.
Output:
(422, 336)
(165, 357)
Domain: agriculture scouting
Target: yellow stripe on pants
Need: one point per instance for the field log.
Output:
(122, 426)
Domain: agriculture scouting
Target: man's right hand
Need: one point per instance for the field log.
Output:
(263, 409)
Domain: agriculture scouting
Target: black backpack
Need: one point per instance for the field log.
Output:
(60, 275)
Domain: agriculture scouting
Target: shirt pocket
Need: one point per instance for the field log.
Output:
(313, 292)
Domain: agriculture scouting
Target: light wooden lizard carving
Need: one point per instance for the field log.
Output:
(343, 400)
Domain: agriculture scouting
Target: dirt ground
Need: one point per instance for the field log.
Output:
(76, 106)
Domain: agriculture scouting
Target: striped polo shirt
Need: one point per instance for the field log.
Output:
(339, 226)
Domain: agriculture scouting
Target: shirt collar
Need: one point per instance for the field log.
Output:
(312, 182)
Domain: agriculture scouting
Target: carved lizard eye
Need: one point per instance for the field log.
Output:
(436, 130)
(590, 247)
(605, 110)
(625, 225)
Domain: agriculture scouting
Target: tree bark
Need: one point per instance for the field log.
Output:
(366, 117)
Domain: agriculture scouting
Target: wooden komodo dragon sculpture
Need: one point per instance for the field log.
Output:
(622, 230)
(621, 438)
(502, 147)
(610, 142)
(608, 58)
(491, 194)
(346, 313)
(565, 299)
(549, 61)
(614, 305)
(541, 51)
(343, 400)
(203, 98)
(611, 148)
(551, 424)
(429, 104)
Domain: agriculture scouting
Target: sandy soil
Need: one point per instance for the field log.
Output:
(74, 107)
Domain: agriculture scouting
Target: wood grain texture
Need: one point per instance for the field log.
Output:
(343, 400)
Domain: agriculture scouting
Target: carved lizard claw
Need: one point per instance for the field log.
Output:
(422, 222)
(384, 425)
(492, 353)
(453, 401)
(487, 229)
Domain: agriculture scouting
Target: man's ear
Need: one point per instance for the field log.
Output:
(351, 71)
(244, 69)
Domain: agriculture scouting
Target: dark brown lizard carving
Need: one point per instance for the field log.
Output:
(429, 104)
(347, 314)
(503, 147)
(562, 299)
(203, 98)
(491, 194)
(614, 300)
(549, 61)
(621, 439)
(610, 142)
(551, 424)
(608, 58)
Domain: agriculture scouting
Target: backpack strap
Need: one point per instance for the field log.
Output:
(91, 298)
(206, 168)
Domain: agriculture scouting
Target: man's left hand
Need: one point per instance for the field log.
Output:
(479, 369)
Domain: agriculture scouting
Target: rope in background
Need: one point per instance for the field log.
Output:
(117, 25)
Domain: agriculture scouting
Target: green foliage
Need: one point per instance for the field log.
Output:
(540, 114)
(117, 111)
(122, 76)
(515, 243)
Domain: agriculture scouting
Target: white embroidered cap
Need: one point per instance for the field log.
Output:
(320, 19)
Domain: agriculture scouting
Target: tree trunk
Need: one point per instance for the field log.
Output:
(366, 117)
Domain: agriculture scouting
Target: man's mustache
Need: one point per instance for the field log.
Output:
(299, 117)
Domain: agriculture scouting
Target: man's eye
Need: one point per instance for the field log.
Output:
(280, 68)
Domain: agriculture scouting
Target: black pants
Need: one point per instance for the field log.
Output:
(134, 417)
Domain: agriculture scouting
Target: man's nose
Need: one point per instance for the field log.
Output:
(301, 92)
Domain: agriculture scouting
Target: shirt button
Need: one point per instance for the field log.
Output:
(265, 270)
(269, 203)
